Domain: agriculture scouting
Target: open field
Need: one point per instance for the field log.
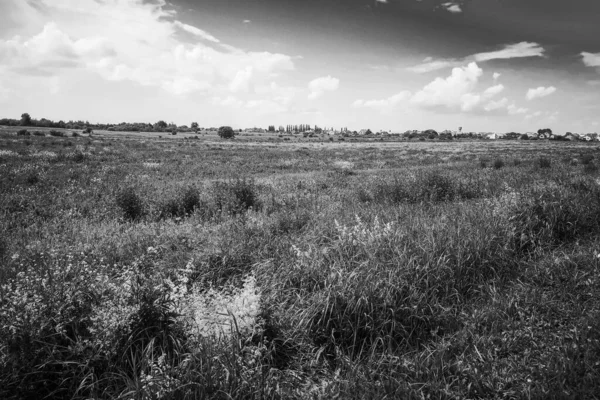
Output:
(143, 267)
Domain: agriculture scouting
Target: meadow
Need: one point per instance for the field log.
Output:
(152, 266)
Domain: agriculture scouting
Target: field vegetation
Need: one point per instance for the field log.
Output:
(146, 267)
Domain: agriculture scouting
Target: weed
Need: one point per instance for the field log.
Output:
(498, 163)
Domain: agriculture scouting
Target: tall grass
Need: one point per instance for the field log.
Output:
(143, 270)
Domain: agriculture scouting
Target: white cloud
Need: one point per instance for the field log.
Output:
(513, 109)
(516, 50)
(241, 81)
(130, 40)
(453, 91)
(196, 31)
(540, 92)
(428, 65)
(247, 21)
(496, 104)
(385, 105)
(591, 59)
(456, 92)
(496, 76)
(321, 85)
(452, 7)
(494, 90)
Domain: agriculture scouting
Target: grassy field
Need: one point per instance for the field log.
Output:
(136, 266)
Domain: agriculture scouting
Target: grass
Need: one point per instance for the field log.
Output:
(136, 266)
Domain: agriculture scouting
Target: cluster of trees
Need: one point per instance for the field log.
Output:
(160, 126)
(298, 128)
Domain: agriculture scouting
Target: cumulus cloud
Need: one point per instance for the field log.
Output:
(515, 50)
(457, 92)
(494, 90)
(591, 60)
(130, 40)
(540, 92)
(452, 7)
(384, 105)
(319, 86)
(453, 91)
(496, 76)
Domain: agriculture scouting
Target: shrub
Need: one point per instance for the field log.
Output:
(23, 132)
(183, 204)
(174, 133)
(236, 196)
(498, 163)
(38, 133)
(543, 162)
(75, 134)
(78, 157)
(587, 159)
(226, 132)
(57, 133)
(130, 203)
(590, 168)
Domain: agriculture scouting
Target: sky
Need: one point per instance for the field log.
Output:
(483, 65)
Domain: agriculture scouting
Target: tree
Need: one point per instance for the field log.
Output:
(160, 125)
(194, 126)
(25, 119)
(226, 132)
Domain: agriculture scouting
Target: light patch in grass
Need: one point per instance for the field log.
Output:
(151, 165)
(219, 313)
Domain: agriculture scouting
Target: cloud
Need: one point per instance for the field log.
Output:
(457, 92)
(453, 91)
(516, 50)
(452, 7)
(540, 92)
(384, 105)
(246, 21)
(321, 85)
(496, 76)
(131, 40)
(196, 31)
(591, 60)
(494, 90)
(428, 65)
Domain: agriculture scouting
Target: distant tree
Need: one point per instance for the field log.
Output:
(194, 126)
(368, 132)
(25, 119)
(160, 125)
(226, 132)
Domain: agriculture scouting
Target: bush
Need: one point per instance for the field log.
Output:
(182, 205)
(78, 157)
(174, 133)
(543, 162)
(587, 159)
(23, 132)
(498, 163)
(75, 134)
(236, 196)
(226, 132)
(590, 168)
(130, 204)
(57, 133)
(38, 133)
